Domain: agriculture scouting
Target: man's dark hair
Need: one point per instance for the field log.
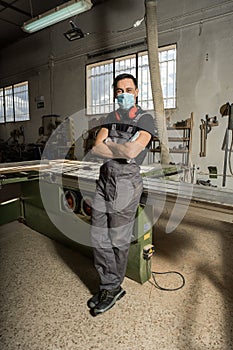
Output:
(124, 76)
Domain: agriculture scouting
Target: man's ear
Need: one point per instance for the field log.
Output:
(136, 92)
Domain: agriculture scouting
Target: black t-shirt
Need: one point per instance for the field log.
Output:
(142, 121)
(145, 122)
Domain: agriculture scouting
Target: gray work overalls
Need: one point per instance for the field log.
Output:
(117, 197)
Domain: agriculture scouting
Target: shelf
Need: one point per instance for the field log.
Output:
(174, 139)
(178, 127)
(170, 150)
(181, 134)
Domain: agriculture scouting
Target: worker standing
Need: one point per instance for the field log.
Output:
(123, 142)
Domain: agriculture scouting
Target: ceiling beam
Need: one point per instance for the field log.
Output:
(12, 7)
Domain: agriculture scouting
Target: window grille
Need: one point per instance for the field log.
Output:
(14, 103)
(100, 75)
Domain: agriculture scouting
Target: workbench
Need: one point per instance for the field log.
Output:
(41, 203)
(156, 179)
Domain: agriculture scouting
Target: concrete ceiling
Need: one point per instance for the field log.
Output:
(13, 13)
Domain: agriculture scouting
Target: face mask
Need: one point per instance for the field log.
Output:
(125, 100)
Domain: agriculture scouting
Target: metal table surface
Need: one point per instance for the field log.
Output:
(157, 187)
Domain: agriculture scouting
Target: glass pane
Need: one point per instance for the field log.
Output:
(171, 54)
(9, 108)
(170, 103)
(171, 76)
(125, 64)
(163, 56)
(99, 96)
(2, 119)
(144, 83)
(21, 102)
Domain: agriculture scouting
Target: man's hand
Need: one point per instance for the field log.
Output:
(100, 148)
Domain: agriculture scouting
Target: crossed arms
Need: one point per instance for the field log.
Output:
(127, 150)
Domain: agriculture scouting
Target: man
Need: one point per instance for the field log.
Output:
(122, 141)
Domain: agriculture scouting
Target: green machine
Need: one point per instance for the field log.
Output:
(56, 201)
(71, 226)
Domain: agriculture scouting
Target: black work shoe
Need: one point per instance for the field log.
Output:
(107, 299)
(93, 301)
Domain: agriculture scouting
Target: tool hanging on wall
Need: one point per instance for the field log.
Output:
(227, 110)
(205, 128)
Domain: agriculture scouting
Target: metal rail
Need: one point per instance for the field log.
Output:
(216, 203)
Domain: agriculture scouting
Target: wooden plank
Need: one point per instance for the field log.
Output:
(17, 167)
(23, 168)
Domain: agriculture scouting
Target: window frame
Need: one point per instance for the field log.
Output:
(137, 55)
(13, 102)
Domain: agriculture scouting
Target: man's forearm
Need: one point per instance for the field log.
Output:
(126, 150)
(102, 150)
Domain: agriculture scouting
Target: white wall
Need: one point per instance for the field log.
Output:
(55, 68)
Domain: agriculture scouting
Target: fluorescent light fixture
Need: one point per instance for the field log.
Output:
(58, 14)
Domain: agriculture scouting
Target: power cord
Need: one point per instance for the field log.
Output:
(153, 273)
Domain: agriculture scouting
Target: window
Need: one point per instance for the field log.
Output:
(2, 106)
(167, 60)
(100, 77)
(14, 103)
(99, 80)
(145, 99)
(125, 65)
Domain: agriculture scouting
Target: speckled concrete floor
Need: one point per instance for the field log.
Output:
(45, 286)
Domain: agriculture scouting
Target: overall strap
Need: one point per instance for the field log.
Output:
(134, 114)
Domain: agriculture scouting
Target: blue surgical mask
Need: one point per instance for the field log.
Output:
(125, 100)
